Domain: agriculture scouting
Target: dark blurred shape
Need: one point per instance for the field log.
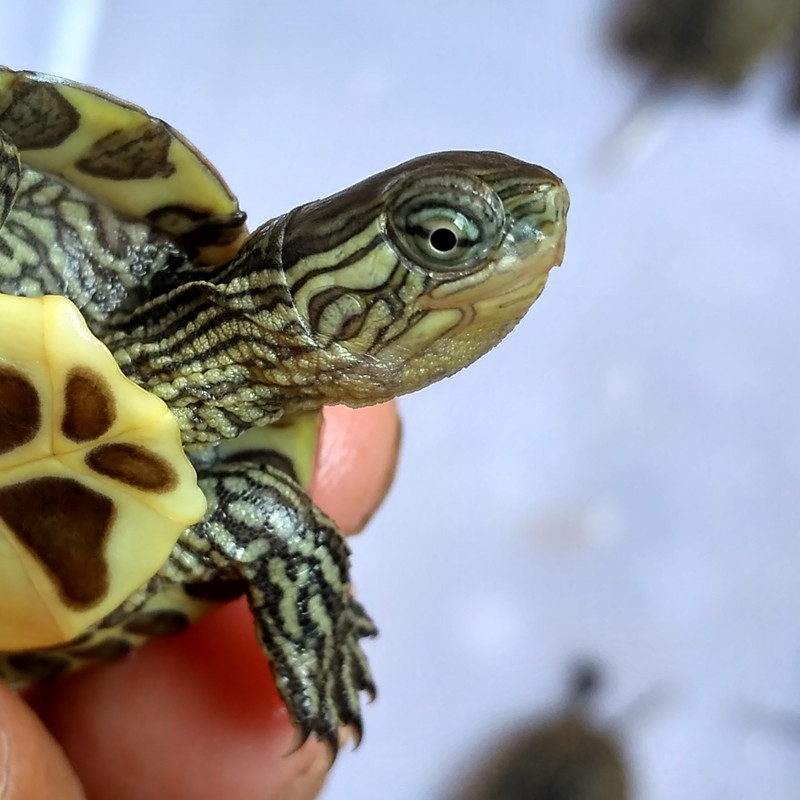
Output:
(793, 101)
(715, 43)
(564, 757)
(585, 682)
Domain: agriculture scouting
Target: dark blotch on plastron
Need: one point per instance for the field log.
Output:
(39, 666)
(107, 650)
(220, 590)
(38, 115)
(20, 409)
(129, 154)
(89, 406)
(162, 622)
(65, 525)
(132, 465)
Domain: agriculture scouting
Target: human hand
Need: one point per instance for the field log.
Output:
(195, 716)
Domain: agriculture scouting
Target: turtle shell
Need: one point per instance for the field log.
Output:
(117, 152)
(95, 488)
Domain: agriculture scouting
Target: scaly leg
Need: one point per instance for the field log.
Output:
(263, 530)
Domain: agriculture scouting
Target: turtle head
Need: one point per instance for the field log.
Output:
(418, 271)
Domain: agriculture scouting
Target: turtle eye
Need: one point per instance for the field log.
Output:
(441, 236)
(448, 229)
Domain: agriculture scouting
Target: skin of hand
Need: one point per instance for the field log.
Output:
(194, 716)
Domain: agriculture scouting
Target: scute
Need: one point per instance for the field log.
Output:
(117, 152)
(95, 488)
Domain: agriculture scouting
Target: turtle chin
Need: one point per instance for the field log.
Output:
(462, 321)
(443, 343)
(515, 287)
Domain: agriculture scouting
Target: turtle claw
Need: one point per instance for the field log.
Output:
(321, 685)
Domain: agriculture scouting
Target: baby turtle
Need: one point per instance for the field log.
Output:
(712, 44)
(566, 757)
(162, 371)
(715, 43)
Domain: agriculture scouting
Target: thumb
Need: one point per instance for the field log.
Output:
(32, 765)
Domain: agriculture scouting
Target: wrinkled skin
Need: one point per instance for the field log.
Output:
(196, 716)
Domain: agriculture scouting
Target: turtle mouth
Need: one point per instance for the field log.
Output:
(513, 293)
(517, 281)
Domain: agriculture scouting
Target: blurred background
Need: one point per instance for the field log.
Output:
(620, 479)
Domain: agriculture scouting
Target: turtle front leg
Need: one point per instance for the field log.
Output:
(263, 529)
(9, 175)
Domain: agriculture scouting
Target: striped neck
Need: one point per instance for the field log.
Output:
(224, 349)
(352, 299)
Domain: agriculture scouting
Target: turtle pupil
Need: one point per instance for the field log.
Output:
(443, 240)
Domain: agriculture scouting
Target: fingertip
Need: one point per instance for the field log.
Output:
(307, 783)
(32, 766)
(356, 461)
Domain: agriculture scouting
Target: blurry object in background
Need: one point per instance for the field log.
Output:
(761, 721)
(569, 528)
(711, 44)
(714, 43)
(565, 757)
(768, 735)
(793, 100)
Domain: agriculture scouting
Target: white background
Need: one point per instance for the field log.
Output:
(621, 478)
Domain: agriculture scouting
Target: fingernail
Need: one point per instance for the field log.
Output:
(5, 764)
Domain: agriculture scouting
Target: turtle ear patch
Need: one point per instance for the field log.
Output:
(20, 410)
(132, 465)
(67, 534)
(89, 406)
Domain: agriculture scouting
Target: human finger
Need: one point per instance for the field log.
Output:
(32, 765)
(357, 457)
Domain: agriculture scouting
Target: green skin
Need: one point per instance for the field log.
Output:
(374, 292)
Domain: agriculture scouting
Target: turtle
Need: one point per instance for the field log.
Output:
(566, 756)
(713, 43)
(162, 372)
